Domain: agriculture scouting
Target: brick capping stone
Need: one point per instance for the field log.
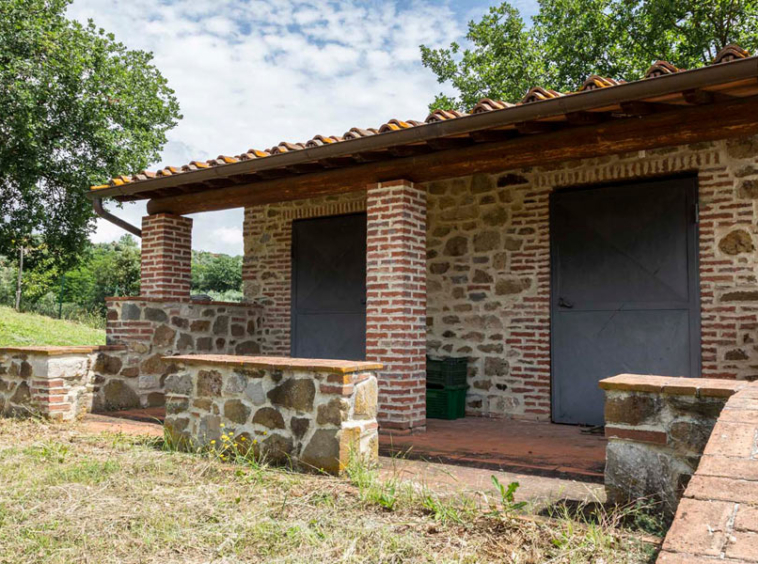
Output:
(114, 299)
(717, 519)
(698, 387)
(280, 363)
(62, 350)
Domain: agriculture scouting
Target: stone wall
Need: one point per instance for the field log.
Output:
(152, 329)
(488, 266)
(267, 265)
(313, 414)
(657, 428)
(53, 382)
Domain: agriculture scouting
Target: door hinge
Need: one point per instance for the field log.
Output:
(697, 213)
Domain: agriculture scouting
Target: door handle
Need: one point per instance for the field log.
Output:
(565, 303)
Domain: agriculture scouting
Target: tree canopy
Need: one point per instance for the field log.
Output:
(76, 107)
(569, 40)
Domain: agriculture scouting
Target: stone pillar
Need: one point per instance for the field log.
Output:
(396, 301)
(166, 256)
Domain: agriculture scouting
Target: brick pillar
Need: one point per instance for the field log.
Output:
(396, 301)
(166, 256)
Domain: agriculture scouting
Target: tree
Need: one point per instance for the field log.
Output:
(573, 39)
(216, 272)
(76, 107)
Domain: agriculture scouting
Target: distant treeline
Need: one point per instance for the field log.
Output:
(102, 270)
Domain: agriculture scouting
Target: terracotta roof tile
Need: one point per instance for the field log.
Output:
(536, 94)
(443, 115)
(730, 53)
(661, 68)
(319, 140)
(488, 105)
(594, 82)
(357, 133)
(395, 125)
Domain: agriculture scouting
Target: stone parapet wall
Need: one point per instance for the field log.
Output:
(657, 429)
(717, 519)
(153, 328)
(313, 414)
(57, 383)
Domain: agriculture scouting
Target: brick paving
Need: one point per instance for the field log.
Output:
(525, 447)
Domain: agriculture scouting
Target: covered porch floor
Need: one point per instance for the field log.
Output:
(526, 447)
(523, 447)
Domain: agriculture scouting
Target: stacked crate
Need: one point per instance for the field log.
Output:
(446, 388)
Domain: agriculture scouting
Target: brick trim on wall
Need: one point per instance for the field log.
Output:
(166, 256)
(396, 300)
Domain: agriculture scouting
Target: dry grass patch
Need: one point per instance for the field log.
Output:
(71, 497)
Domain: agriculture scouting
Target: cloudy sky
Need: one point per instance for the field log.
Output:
(253, 73)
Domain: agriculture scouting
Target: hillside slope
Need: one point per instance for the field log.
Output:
(22, 329)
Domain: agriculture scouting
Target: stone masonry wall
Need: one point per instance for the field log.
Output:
(488, 266)
(311, 414)
(152, 329)
(53, 382)
(657, 428)
(267, 265)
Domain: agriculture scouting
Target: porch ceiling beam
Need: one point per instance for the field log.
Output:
(638, 108)
(697, 96)
(689, 124)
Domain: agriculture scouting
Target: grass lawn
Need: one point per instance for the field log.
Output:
(20, 329)
(70, 496)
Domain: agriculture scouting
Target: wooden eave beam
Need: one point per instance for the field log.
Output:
(445, 143)
(689, 124)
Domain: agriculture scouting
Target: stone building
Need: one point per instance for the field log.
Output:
(554, 243)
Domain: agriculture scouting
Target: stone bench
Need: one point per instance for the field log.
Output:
(53, 382)
(657, 428)
(314, 414)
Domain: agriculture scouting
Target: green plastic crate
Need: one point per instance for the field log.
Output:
(446, 403)
(446, 372)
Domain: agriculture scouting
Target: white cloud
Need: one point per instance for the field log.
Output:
(250, 74)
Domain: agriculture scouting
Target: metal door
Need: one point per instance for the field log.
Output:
(329, 287)
(625, 295)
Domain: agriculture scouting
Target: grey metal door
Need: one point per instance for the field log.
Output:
(329, 287)
(625, 292)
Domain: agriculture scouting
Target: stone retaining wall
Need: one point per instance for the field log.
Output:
(657, 428)
(53, 382)
(314, 414)
(717, 519)
(154, 328)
